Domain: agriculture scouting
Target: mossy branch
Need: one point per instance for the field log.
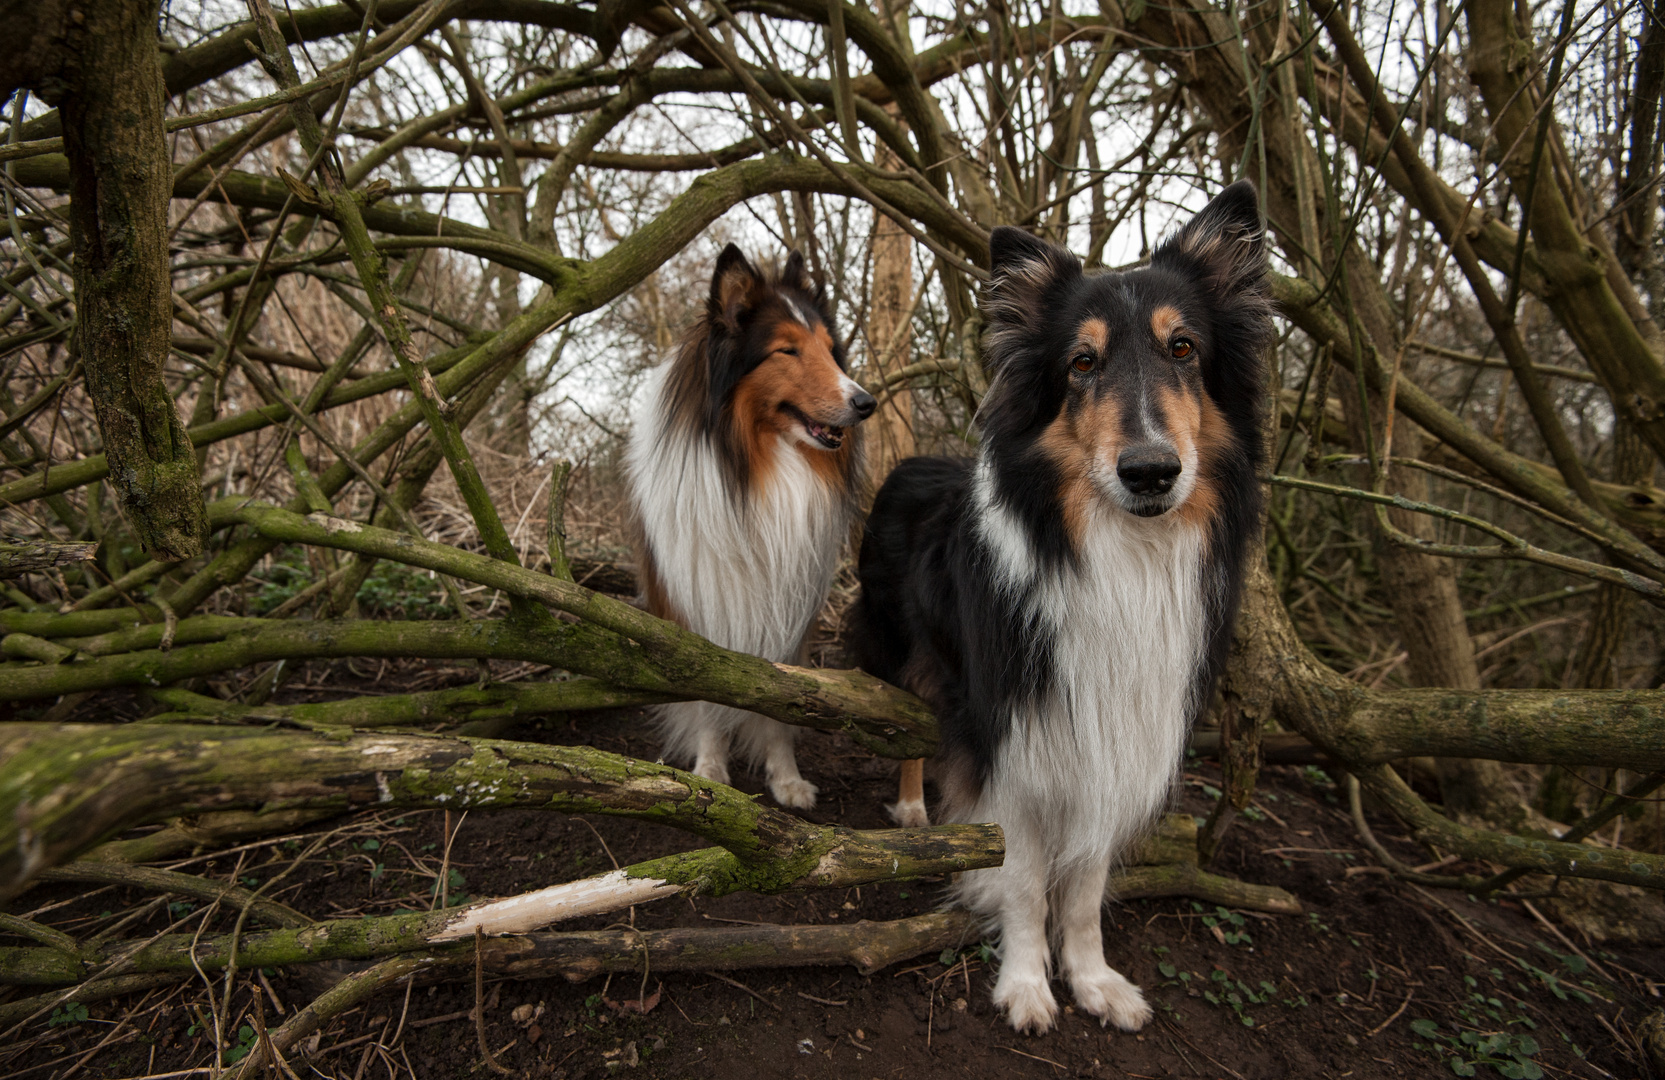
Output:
(850, 857)
(825, 857)
(463, 705)
(1274, 675)
(879, 717)
(693, 665)
(67, 787)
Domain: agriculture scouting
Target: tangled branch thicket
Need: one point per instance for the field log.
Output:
(321, 324)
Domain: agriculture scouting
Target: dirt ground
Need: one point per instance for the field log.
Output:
(1375, 978)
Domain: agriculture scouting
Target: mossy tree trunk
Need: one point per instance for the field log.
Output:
(109, 90)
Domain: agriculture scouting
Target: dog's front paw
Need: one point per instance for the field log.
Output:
(1028, 1004)
(797, 793)
(909, 814)
(1109, 996)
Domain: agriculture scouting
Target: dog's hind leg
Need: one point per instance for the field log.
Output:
(773, 743)
(1099, 989)
(908, 810)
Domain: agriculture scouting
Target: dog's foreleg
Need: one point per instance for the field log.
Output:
(1017, 891)
(774, 742)
(1099, 989)
(705, 731)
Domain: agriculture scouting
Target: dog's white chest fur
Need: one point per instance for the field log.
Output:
(748, 570)
(1088, 765)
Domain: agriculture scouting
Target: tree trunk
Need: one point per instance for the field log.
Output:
(1422, 589)
(889, 337)
(1595, 665)
(120, 182)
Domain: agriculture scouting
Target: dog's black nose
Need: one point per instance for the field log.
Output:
(864, 404)
(1148, 471)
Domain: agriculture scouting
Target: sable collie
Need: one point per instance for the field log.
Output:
(743, 469)
(1065, 599)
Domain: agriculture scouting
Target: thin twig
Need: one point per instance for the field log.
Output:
(738, 985)
(480, 1004)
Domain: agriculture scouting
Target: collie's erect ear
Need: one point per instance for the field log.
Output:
(1224, 244)
(795, 275)
(733, 284)
(1025, 270)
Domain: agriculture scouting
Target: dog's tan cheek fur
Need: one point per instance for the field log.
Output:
(1181, 413)
(822, 383)
(1082, 432)
(819, 383)
(760, 422)
(757, 418)
(1214, 439)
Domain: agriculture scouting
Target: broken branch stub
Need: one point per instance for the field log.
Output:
(23, 556)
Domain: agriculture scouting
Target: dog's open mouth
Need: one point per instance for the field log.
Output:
(829, 436)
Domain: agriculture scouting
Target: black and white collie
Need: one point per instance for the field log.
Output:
(743, 467)
(1065, 599)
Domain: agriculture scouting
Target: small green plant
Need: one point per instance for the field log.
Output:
(392, 589)
(455, 883)
(1555, 985)
(69, 1014)
(1230, 925)
(1237, 995)
(1509, 1054)
(980, 951)
(1317, 777)
(245, 1043)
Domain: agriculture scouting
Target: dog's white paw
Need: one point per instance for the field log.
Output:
(1028, 1003)
(1109, 996)
(910, 814)
(714, 769)
(797, 793)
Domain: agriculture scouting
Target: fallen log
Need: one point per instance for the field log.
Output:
(846, 858)
(64, 788)
(1170, 868)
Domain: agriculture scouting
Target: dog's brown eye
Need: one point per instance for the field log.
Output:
(1181, 348)
(1083, 363)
